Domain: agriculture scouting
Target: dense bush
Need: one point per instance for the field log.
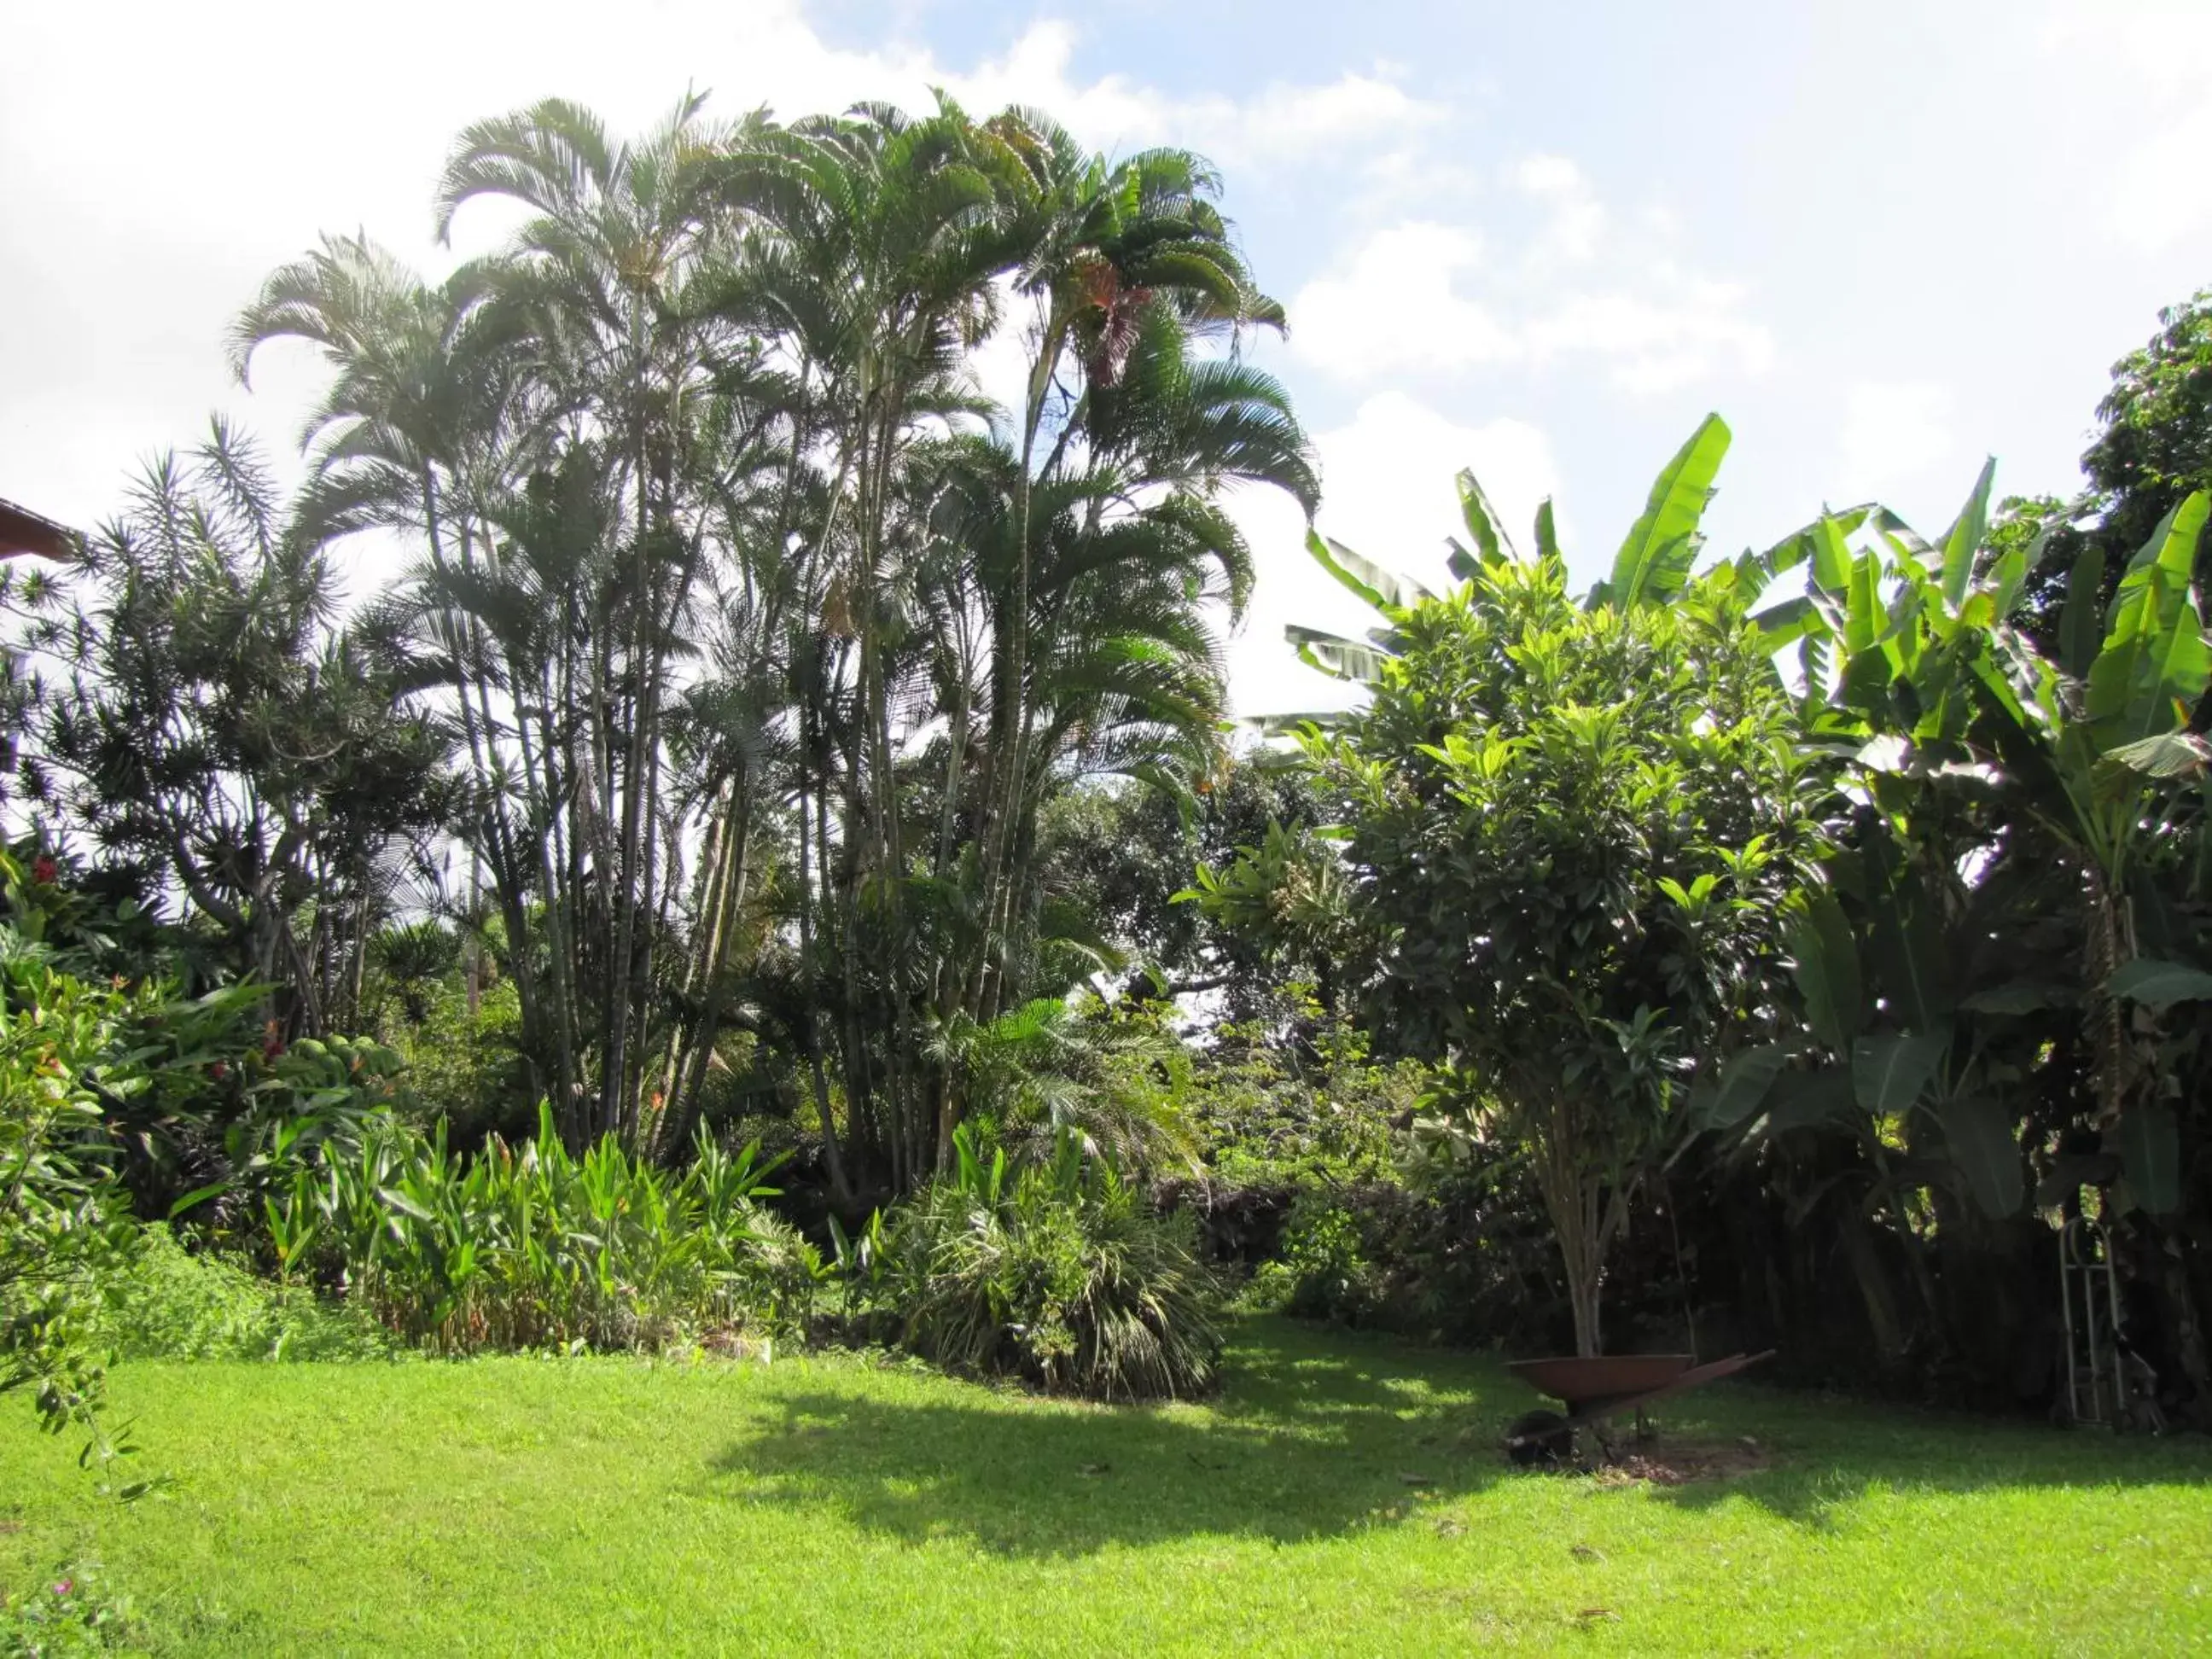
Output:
(1059, 1273)
(169, 1304)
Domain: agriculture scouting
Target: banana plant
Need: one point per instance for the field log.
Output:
(1909, 661)
(1653, 565)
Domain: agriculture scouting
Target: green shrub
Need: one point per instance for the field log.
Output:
(1063, 1275)
(1328, 1274)
(171, 1305)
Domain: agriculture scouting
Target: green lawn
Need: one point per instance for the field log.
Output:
(831, 1506)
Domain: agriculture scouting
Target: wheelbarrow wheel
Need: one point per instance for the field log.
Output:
(1539, 1439)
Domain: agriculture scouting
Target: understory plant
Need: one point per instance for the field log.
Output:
(173, 1304)
(530, 1246)
(65, 1225)
(1058, 1272)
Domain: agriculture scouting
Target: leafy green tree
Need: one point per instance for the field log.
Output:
(2152, 448)
(1573, 826)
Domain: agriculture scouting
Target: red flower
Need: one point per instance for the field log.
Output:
(218, 1071)
(64, 1586)
(43, 869)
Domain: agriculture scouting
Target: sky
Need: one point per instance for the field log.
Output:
(1883, 238)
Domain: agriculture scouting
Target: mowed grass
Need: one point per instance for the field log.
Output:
(1343, 1495)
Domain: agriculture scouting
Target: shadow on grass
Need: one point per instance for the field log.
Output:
(1309, 1441)
(1829, 1454)
(1318, 1434)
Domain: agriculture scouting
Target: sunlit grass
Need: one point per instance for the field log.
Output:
(1343, 1495)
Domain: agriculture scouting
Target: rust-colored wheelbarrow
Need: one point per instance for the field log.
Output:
(1596, 1388)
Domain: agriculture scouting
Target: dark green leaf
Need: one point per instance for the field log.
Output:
(2150, 1156)
(2159, 985)
(1891, 1070)
(1986, 1150)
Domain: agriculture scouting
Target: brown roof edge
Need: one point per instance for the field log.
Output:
(22, 530)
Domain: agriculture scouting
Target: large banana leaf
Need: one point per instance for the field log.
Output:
(1335, 655)
(1654, 562)
(1383, 589)
(2154, 653)
(1980, 1136)
(1483, 522)
(2159, 985)
(1891, 1070)
(1744, 1082)
(1964, 538)
(1818, 936)
(2150, 1156)
(2082, 622)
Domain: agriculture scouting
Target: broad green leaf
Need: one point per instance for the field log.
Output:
(1332, 654)
(1830, 555)
(1380, 588)
(1891, 1070)
(2082, 620)
(1783, 625)
(1744, 1084)
(198, 1195)
(1964, 538)
(2022, 997)
(2159, 985)
(1805, 1100)
(2153, 652)
(1457, 560)
(2150, 1156)
(1986, 1151)
(1818, 936)
(1662, 545)
(2167, 755)
(1482, 520)
(1547, 534)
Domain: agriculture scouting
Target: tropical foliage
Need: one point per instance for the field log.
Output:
(1573, 827)
(787, 736)
(1057, 1272)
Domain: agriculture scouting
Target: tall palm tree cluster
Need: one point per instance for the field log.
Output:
(755, 634)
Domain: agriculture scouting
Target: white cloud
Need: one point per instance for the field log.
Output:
(212, 154)
(1387, 492)
(1282, 123)
(2160, 52)
(2164, 191)
(1423, 299)
(1896, 433)
(1576, 225)
(1656, 341)
(1395, 307)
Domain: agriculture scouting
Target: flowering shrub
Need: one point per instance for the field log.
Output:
(67, 1615)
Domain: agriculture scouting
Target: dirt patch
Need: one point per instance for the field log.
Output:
(1681, 1462)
